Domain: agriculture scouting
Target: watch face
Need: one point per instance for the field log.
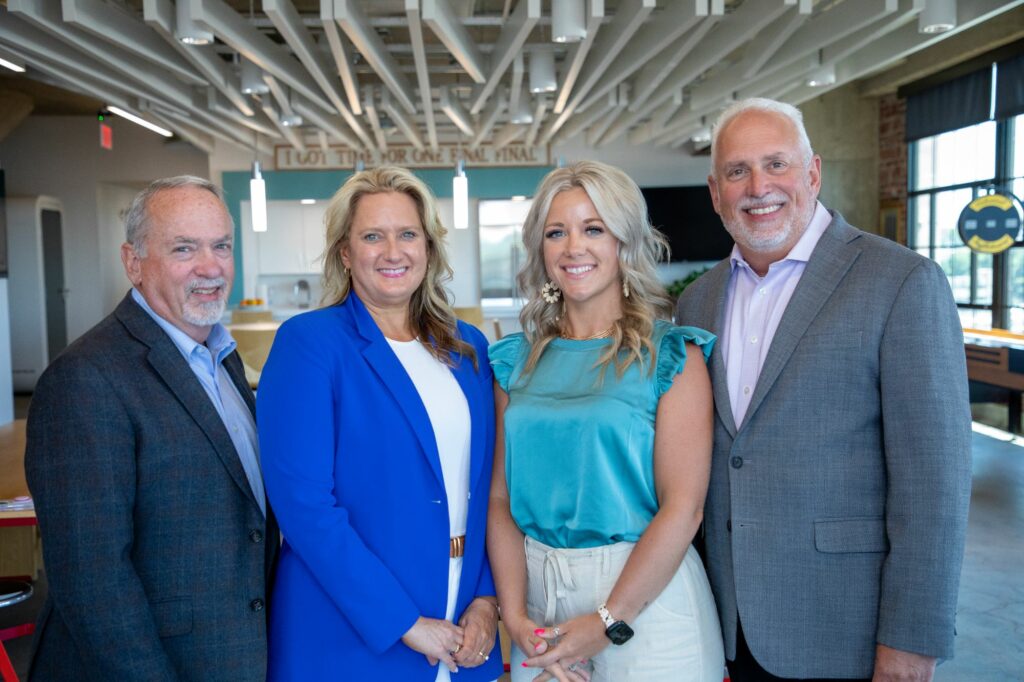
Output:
(619, 632)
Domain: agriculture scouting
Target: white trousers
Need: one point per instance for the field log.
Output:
(677, 636)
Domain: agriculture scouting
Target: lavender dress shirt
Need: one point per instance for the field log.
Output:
(754, 307)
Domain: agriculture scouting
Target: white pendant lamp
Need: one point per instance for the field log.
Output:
(567, 21)
(460, 197)
(542, 70)
(186, 30)
(938, 16)
(258, 199)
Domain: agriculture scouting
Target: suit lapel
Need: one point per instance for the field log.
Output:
(713, 309)
(236, 372)
(467, 378)
(386, 365)
(828, 264)
(166, 360)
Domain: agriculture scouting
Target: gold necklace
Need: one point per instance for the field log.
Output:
(600, 335)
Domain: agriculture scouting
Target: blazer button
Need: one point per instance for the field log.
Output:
(256, 605)
(736, 462)
(256, 536)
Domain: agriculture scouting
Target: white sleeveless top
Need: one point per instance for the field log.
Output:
(449, 416)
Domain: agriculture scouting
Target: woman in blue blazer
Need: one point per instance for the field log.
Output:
(376, 427)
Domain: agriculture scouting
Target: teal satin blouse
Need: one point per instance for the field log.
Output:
(579, 451)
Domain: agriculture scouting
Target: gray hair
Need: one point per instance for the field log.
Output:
(765, 105)
(136, 223)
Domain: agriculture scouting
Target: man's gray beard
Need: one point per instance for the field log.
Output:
(204, 314)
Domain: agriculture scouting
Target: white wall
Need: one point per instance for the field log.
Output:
(463, 254)
(649, 166)
(112, 202)
(60, 156)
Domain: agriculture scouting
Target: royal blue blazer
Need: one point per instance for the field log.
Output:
(353, 474)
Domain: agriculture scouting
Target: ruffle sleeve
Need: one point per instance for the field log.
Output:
(505, 358)
(672, 352)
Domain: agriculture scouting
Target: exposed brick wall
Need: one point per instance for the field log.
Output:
(892, 157)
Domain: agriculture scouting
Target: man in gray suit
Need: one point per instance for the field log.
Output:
(142, 459)
(835, 518)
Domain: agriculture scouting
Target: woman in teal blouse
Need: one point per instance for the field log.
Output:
(593, 508)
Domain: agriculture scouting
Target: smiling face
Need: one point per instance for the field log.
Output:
(188, 267)
(580, 253)
(386, 250)
(762, 185)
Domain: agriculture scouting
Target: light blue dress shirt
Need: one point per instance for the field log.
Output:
(207, 363)
(579, 452)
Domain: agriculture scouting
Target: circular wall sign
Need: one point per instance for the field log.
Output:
(990, 223)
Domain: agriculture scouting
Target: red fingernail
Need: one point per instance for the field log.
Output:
(525, 666)
(537, 646)
(539, 631)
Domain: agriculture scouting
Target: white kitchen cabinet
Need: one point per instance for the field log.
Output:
(292, 244)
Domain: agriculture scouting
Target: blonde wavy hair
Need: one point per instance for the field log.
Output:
(622, 208)
(430, 315)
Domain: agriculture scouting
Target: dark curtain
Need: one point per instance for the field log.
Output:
(1010, 87)
(954, 104)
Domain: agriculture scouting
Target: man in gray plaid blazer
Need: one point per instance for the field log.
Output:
(835, 518)
(142, 459)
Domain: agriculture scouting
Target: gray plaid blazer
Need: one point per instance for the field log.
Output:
(157, 556)
(836, 513)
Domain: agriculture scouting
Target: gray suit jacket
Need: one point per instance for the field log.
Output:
(157, 555)
(836, 513)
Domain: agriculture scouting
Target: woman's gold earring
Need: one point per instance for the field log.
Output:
(551, 293)
(625, 288)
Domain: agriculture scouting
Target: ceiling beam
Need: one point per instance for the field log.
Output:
(412, 13)
(370, 107)
(402, 120)
(508, 134)
(110, 24)
(342, 54)
(291, 28)
(655, 36)
(513, 35)
(577, 54)
(353, 22)
(159, 15)
(216, 16)
(331, 124)
(456, 113)
(540, 106)
(490, 116)
(287, 132)
(441, 18)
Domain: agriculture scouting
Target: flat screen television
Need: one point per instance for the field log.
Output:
(687, 217)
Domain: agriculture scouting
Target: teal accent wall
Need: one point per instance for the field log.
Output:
(484, 183)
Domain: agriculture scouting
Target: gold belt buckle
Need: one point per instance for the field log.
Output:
(457, 546)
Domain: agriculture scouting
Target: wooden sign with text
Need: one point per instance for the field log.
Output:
(344, 158)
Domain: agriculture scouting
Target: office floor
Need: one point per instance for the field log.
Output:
(990, 620)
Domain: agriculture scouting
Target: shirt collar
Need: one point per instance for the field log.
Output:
(219, 342)
(801, 251)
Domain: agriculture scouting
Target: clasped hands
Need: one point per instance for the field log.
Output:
(562, 651)
(467, 644)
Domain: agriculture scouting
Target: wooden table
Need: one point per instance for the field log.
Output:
(19, 548)
(12, 473)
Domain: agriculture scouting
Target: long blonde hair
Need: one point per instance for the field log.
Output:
(430, 315)
(621, 206)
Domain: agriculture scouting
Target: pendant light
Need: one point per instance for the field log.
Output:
(258, 199)
(460, 196)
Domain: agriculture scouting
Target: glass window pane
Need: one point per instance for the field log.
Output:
(956, 263)
(975, 319)
(1018, 146)
(921, 215)
(948, 206)
(924, 176)
(956, 157)
(1015, 281)
(983, 278)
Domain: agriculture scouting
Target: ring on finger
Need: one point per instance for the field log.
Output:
(483, 656)
(457, 649)
(572, 667)
(557, 631)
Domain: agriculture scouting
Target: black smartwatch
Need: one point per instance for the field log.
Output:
(616, 630)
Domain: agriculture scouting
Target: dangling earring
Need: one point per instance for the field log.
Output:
(625, 288)
(551, 293)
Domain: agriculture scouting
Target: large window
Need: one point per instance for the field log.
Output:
(501, 251)
(947, 171)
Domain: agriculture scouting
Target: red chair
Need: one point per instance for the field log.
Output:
(12, 592)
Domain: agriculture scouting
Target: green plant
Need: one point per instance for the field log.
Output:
(676, 288)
